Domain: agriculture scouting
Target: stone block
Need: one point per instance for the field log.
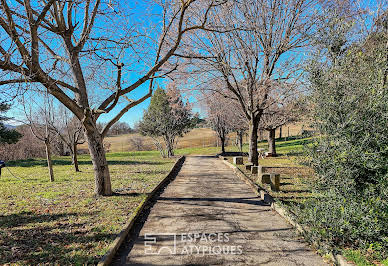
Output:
(262, 170)
(254, 169)
(248, 166)
(275, 181)
(264, 178)
(238, 160)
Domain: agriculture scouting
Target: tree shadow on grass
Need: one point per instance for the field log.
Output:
(18, 219)
(125, 194)
(42, 162)
(49, 238)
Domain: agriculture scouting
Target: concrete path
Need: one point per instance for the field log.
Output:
(207, 216)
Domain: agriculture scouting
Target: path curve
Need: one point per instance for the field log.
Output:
(230, 224)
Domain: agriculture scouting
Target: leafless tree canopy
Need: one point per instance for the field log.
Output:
(91, 55)
(256, 54)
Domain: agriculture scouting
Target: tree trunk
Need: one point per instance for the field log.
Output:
(61, 148)
(100, 164)
(75, 158)
(280, 132)
(222, 139)
(240, 140)
(169, 141)
(271, 142)
(49, 161)
(253, 156)
(170, 148)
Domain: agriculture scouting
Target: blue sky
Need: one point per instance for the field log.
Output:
(135, 114)
(145, 16)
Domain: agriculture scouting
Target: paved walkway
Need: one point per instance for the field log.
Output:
(207, 216)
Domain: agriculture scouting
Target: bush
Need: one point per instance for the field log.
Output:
(26, 148)
(350, 158)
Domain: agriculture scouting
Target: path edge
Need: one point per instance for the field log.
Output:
(338, 259)
(115, 245)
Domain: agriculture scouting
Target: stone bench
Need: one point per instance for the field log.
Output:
(238, 160)
(254, 169)
(248, 166)
(268, 178)
(263, 176)
(275, 181)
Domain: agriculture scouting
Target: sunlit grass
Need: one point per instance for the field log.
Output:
(63, 222)
(295, 178)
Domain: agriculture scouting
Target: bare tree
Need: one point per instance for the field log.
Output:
(218, 117)
(275, 117)
(120, 128)
(257, 49)
(70, 132)
(39, 121)
(137, 142)
(224, 116)
(66, 47)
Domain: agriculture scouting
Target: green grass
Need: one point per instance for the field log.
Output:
(295, 178)
(356, 256)
(62, 222)
(288, 148)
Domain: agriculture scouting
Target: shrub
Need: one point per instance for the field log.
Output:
(350, 158)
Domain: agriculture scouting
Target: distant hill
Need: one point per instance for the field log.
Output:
(198, 137)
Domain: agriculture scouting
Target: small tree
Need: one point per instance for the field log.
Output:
(225, 116)
(8, 136)
(218, 117)
(137, 142)
(39, 122)
(120, 128)
(167, 117)
(70, 132)
(275, 117)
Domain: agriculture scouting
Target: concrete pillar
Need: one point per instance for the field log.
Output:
(275, 182)
(248, 166)
(254, 169)
(264, 178)
(238, 160)
(261, 170)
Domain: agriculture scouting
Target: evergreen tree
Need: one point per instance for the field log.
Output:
(167, 117)
(7, 135)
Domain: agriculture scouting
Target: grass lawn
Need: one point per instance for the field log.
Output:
(63, 222)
